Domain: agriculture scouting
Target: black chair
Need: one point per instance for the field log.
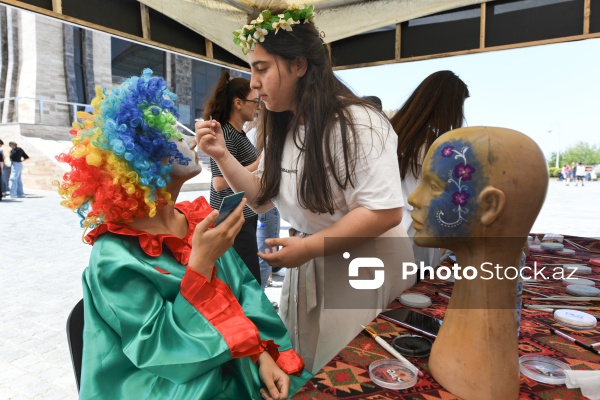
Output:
(75, 338)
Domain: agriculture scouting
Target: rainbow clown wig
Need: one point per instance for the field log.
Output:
(122, 153)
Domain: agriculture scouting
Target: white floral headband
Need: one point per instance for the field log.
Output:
(248, 35)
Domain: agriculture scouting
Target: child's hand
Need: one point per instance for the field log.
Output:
(276, 381)
(208, 244)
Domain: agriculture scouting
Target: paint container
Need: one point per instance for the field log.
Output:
(543, 369)
(393, 374)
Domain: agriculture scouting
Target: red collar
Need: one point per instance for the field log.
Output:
(151, 244)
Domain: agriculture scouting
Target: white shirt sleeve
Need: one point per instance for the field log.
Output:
(377, 184)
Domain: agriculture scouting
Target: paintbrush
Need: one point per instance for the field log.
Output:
(560, 306)
(566, 298)
(389, 348)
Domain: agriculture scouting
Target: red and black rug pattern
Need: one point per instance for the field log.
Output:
(346, 376)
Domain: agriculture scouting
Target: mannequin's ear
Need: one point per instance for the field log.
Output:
(300, 65)
(491, 203)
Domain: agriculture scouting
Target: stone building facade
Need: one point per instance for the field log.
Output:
(48, 71)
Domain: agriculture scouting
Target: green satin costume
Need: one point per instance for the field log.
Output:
(157, 330)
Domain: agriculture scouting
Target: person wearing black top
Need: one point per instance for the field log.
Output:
(17, 156)
(1, 168)
(232, 104)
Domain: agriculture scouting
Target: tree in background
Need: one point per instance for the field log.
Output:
(579, 152)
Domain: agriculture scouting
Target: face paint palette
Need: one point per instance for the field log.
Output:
(552, 246)
(578, 281)
(566, 252)
(543, 369)
(579, 269)
(393, 374)
(583, 291)
(415, 300)
(575, 319)
(412, 345)
(535, 247)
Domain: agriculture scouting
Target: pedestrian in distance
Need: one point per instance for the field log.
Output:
(17, 156)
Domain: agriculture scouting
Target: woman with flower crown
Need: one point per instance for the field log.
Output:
(170, 312)
(330, 167)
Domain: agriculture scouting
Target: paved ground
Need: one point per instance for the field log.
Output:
(42, 258)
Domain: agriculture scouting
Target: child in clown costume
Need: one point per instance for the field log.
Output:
(171, 312)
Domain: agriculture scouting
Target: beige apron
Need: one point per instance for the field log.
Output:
(318, 334)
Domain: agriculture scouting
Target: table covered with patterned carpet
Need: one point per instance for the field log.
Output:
(346, 376)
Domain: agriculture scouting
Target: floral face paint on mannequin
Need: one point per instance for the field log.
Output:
(446, 200)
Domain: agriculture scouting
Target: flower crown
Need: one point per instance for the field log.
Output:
(248, 35)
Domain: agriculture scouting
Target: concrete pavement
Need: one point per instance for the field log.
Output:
(42, 258)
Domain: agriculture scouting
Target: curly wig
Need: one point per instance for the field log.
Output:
(122, 153)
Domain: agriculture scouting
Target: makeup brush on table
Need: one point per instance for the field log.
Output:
(390, 349)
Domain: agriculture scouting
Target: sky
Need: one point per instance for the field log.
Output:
(550, 93)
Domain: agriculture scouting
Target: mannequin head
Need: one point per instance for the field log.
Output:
(478, 182)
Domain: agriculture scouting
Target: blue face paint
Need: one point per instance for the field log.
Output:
(449, 214)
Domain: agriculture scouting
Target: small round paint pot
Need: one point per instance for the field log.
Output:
(415, 300)
(583, 291)
(393, 374)
(543, 369)
(551, 246)
(575, 319)
(412, 345)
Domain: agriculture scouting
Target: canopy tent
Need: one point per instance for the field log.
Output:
(359, 33)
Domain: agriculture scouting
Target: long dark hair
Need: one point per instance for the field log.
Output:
(219, 105)
(321, 102)
(435, 107)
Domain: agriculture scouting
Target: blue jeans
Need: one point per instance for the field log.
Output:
(16, 184)
(5, 176)
(268, 227)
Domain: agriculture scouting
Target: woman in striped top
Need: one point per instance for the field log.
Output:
(232, 104)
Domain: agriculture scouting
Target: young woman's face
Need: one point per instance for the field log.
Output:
(274, 79)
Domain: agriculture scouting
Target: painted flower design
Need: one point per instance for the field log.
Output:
(457, 176)
(463, 171)
(447, 151)
(460, 198)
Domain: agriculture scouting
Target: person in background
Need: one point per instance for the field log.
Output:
(579, 173)
(375, 100)
(170, 311)
(566, 173)
(433, 108)
(1, 169)
(17, 156)
(5, 172)
(328, 161)
(232, 103)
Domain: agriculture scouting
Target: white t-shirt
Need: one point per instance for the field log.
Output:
(377, 183)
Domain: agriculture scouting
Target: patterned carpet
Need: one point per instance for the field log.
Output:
(346, 376)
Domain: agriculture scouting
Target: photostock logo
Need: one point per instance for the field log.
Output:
(361, 276)
(365, 262)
